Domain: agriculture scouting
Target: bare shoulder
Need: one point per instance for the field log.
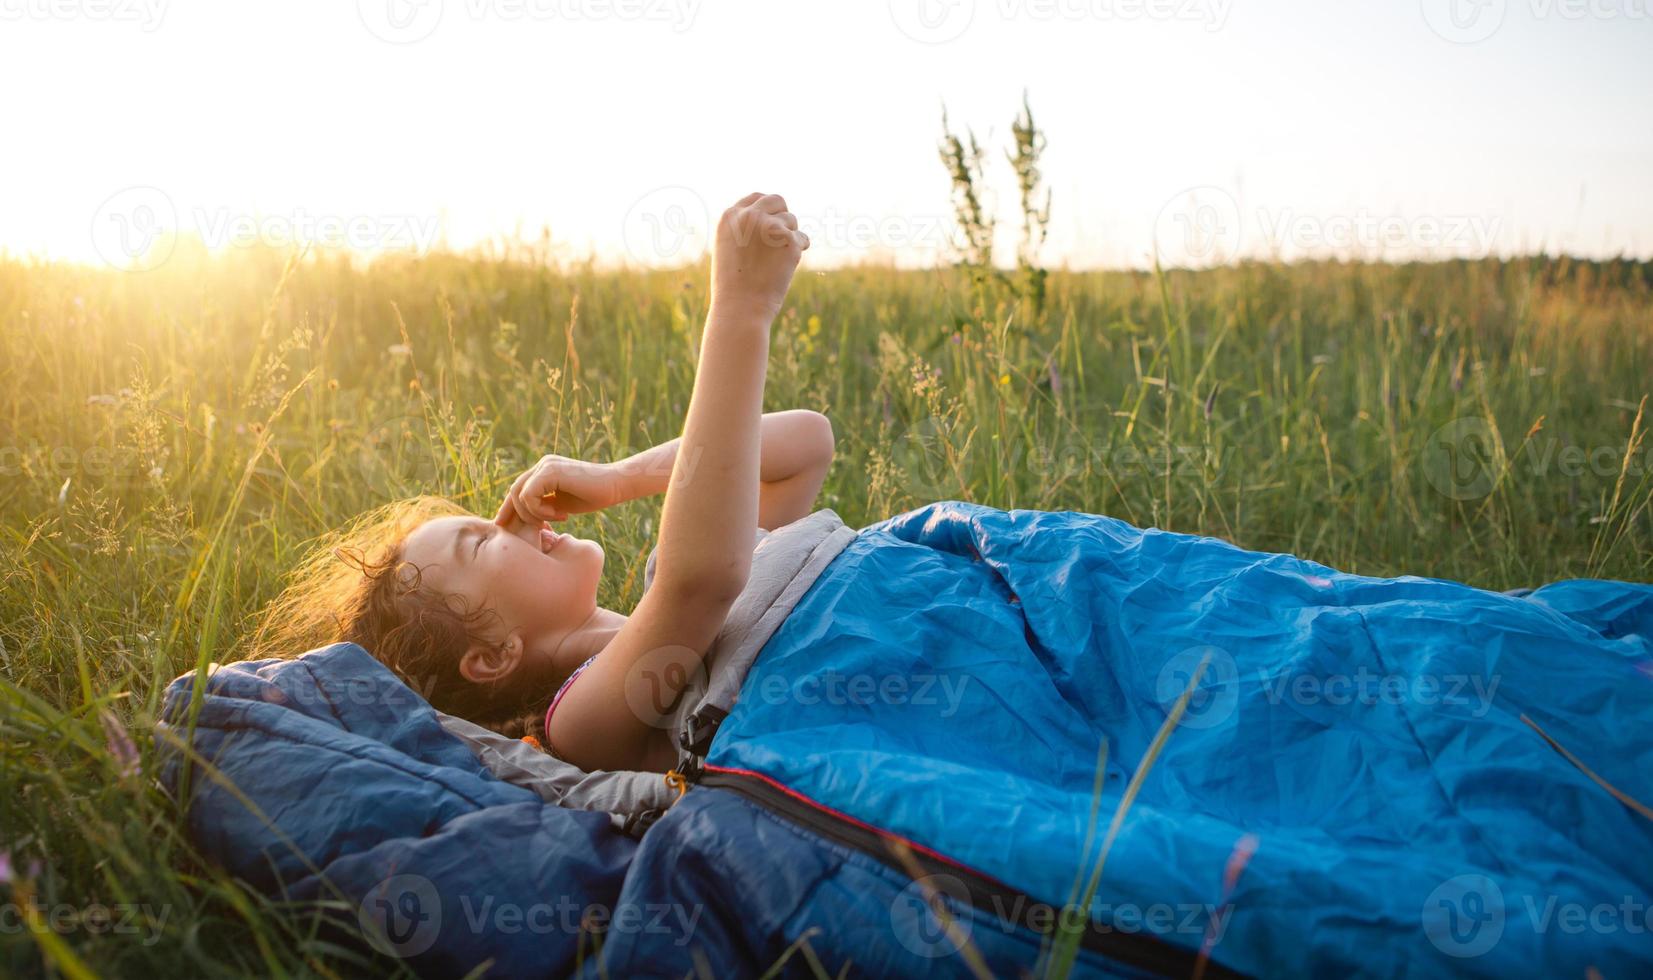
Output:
(613, 718)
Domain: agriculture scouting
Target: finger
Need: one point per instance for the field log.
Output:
(551, 508)
(772, 203)
(526, 503)
(749, 199)
(788, 219)
(802, 240)
(524, 515)
(507, 507)
(775, 234)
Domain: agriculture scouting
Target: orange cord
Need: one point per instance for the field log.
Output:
(677, 781)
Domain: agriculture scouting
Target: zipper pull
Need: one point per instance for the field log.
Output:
(699, 728)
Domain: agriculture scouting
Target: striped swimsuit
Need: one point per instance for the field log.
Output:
(558, 697)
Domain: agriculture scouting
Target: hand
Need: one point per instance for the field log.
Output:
(758, 248)
(558, 486)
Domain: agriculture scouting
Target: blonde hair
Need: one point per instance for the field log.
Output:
(355, 585)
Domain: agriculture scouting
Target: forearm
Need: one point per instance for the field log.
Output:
(794, 452)
(712, 496)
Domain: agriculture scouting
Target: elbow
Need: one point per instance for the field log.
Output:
(704, 587)
(821, 438)
(719, 595)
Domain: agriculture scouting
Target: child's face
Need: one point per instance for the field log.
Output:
(540, 584)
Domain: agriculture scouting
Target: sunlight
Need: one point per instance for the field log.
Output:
(614, 129)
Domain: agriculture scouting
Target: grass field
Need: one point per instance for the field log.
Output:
(170, 440)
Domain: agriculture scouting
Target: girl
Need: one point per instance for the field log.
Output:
(487, 618)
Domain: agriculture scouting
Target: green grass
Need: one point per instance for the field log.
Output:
(171, 440)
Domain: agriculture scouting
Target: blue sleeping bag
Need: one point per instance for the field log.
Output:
(1352, 788)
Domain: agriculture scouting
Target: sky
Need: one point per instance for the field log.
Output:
(1198, 130)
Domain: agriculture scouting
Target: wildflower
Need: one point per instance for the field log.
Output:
(119, 743)
(1004, 379)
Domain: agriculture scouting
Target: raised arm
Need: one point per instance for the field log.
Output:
(610, 718)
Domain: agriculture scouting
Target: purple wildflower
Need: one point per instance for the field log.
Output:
(119, 743)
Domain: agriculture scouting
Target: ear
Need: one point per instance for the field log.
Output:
(487, 663)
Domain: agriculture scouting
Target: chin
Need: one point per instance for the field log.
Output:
(598, 558)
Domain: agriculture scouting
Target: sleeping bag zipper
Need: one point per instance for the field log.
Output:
(1135, 949)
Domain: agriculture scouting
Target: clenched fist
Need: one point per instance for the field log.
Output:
(757, 250)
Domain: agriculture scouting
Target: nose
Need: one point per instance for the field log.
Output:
(528, 533)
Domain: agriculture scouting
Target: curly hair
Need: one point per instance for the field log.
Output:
(355, 585)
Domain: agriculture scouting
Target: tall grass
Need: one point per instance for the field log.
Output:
(171, 440)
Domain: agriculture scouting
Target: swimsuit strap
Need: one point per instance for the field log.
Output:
(561, 691)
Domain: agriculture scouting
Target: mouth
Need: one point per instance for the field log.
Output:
(550, 540)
